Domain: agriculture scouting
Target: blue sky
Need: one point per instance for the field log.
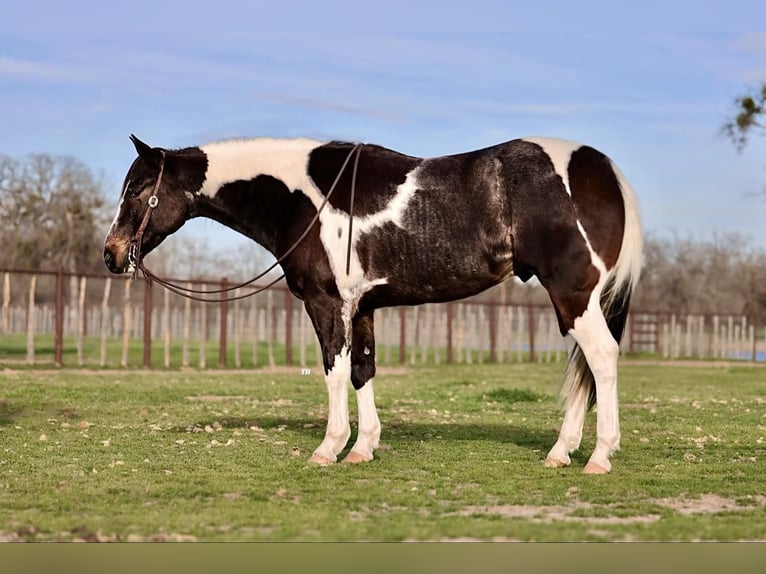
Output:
(427, 79)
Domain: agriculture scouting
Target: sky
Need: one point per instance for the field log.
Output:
(424, 78)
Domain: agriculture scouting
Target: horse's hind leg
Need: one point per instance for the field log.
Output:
(601, 351)
(570, 435)
(362, 373)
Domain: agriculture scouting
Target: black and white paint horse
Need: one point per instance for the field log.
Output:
(423, 230)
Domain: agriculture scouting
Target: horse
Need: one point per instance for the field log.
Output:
(404, 230)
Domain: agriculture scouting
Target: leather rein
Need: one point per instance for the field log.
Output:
(135, 259)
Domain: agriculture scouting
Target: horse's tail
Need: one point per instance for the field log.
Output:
(615, 297)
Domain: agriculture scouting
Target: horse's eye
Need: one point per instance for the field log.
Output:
(131, 193)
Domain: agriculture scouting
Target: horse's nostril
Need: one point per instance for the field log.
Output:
(109, 259)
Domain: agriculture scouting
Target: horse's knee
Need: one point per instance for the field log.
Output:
(362, 367)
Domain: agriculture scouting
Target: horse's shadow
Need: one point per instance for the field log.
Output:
(536, 439)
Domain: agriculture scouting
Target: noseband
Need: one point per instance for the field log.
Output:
(135, 260)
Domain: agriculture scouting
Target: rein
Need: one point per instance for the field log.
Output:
(135, 260)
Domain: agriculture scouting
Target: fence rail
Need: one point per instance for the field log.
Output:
(103, 319)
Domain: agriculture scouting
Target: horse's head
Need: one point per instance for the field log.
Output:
(156, 200)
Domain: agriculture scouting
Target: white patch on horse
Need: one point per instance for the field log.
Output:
(235, 160)
(560, 151)
(334, 237)
(595, 259)
(119, 208)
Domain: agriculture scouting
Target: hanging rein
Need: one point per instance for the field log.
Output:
(136, 262)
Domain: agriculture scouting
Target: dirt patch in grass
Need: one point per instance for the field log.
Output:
(549, 514)
(711, 504)
(605, 514)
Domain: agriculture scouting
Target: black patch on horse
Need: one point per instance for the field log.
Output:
(379, 172)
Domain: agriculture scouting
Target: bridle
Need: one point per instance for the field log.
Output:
(135, 259)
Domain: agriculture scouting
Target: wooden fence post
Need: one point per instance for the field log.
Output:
(531, 323)
(237, 329)
(415, 335)
(186, 331)
(166, 326)
(450, 311)
(59, 318)
(104, 319)
(459, 332)
(127, 317)
(147, 324)
(254, 327)
(203, 331)
(302, 334)
(402, 336)
(31, 321)
(492, 309)
(222, 342)
(288, 327)
(81, 319)
(6, 302)
(271, 326)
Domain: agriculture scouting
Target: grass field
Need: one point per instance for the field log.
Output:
(172, 455)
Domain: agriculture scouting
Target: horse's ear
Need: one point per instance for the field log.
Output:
(149, 154)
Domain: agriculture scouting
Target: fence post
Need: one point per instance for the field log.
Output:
(224, 325)
(31, 321)
(753, 332)
(288, 327)
(6, 302)
(450, 310)
(166, 327)
(492, 309)
(402, 336)
(147, 324)
(59, 321)
(81, 319)
(531, 322)
(186, 330)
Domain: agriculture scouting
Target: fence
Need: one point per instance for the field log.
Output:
(98, 320)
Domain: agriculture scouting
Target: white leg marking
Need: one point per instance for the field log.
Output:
(369, 426)
(601, 351)
(570, 434)
(338, 428)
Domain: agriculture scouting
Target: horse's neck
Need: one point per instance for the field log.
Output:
(249, 183)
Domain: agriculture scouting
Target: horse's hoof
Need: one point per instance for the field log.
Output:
(355, 457)
(320, 460)
(593, 468)
(555, 463)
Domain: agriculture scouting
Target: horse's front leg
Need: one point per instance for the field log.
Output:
(334, 337)
(362, 373)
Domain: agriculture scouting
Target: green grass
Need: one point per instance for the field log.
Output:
(219, 455)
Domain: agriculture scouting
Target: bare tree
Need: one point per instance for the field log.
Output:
(721, 274)
(52, 209)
